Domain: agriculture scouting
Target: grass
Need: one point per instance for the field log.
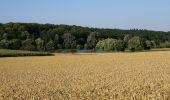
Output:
(101, 76)
(16, 53)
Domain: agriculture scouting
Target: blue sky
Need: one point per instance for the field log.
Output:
(123, 14)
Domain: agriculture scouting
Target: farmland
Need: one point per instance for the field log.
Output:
(139, 75)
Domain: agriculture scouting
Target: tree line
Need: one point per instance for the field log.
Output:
(50, 37)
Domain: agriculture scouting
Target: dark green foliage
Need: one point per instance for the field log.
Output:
(165, 45)
(33, 36)
(24, 35)
(148, 45)
(153, 44)
(126, 39)
(15, 44)
(17, 53)
(107, 44)
(135, 44)
(69, 41)
(56, 41)
(50, 45)
(28, 44)
(79, 47)
(40, 44)
(4, 44)
(111, 45)
(120, 45)
(91, 40)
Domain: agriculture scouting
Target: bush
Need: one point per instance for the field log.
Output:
(119, 45)
(15, 44)
(165, 45)
(40, 44)
(50, 45)
(4, 44)
(28, 44)
(111, 45)
(135, 44)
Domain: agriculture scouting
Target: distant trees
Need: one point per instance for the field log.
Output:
(4, 44)
(40, 44)
(120, 45)
(50, 45)
(32, 36)
(15, 44)
(56, 41)
(135, 44)
(28, 44)
(69, 41)
(111, 45)
(165, 45)
(91, 40)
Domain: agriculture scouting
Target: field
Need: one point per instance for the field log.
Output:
(16, 53)
(87, 76)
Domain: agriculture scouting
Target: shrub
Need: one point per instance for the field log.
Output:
(135, 44)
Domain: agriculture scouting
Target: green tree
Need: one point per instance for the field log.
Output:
(5, 36)
(28, 44)
(15, 44)
(100, 45)
(135, 44)
(25, 35)
(148, 45)
(50, 45)
(40, 44)
(166, 44)
(109, 44)
(120, 45)
(4, 44)
(56, 40)
(91, 41)
(126, 39)
(153, 44)
(69, 41)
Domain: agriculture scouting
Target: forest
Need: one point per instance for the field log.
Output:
(50, 37)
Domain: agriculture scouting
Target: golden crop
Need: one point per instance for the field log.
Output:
(138, 76)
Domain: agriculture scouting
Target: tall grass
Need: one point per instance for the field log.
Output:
(16, 53)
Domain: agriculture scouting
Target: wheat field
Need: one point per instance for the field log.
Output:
(87, 76)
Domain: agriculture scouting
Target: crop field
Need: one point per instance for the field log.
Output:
(87, 76)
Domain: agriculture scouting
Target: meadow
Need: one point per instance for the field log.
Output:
(87, 76)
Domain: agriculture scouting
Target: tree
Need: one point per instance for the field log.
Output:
(15, 44)
(165, 45)
(78, 47)
(153, 44)
(134, 44)
(28, 44)
(109, 44)
(5, 36)
(24, 35)
(148, 45)
(84, 36)
(56, 41)
(100, 45)
(50, 45)
(91, 41)
(40, 44)
(4, 44)
(120, 45)
(126, 39)
(69, 41)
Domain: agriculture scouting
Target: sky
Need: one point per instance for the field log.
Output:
(122, 14)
